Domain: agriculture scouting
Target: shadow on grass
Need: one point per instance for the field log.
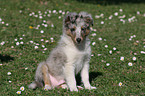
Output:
(6, 58)
(110, 2)
(92, 76)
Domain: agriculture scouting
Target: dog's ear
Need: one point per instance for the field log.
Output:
(87, 18)
(67, 19)
(70, 18)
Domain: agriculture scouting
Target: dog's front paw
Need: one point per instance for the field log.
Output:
(47, 87)
(64, 86)
(90, 87)
(74, 89)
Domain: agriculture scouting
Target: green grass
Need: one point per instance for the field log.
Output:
(113, 32)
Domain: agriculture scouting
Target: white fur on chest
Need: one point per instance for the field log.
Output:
(76, 57)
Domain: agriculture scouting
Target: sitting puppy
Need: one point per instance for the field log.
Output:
(71, 56)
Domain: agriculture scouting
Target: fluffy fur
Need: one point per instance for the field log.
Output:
(71, 56)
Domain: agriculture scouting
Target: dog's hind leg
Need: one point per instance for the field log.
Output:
(46, 78)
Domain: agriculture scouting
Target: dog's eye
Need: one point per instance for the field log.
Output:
(83, 29)
(72, 29)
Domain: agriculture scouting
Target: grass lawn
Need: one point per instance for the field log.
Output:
(30, 29)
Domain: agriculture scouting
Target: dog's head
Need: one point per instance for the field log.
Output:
(77, 26)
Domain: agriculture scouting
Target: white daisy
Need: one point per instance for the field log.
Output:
(138, 12)
(110, 17)
(48, 15)
(63, 13)
(45, 25)
(9, 73)
(7, 24)
(59, 17)
(52, 40)
(120, 10)
(20, 11)
(26, 68)
(49, 11)
(95, 30)
(142, 52)
(31, 41)
(43, 46)
(93, 43)
(99, 54)
(52, 25)
(122, 58)
(41, 31)
(30, 14)
(101, 15)
(12, 46)
(92, 55)
(40, 17)
(94, 34)
(22, 88)
(21, 38)
(107, 64)
(42, 39)
(134, 58)
(116, 13)
(10, 81)
(36, 47)
(54, 11)
(36, 15)
(44, 21)
(97, 16)
(17, 43)
(100, 38)
(102, 22)
(114, 48)
(18, 92)
(2, 43)
(130, 39)
(120, 83)
(131, 36)
(21, 42)
(47, 41)
(110, 51)
(16, 39)
(106, 46)
(130, 64)
(3, 22)
(60, 11)
(37, 44)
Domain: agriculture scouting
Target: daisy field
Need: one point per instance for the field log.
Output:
(30, 29)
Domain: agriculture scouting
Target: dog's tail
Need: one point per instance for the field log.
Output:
(38, 78)
(34, 85)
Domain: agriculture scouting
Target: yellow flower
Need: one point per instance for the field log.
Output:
(30, 27)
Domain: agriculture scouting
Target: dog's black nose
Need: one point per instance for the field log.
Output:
(78, 40)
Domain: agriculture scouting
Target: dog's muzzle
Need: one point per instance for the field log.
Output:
(78, 40)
